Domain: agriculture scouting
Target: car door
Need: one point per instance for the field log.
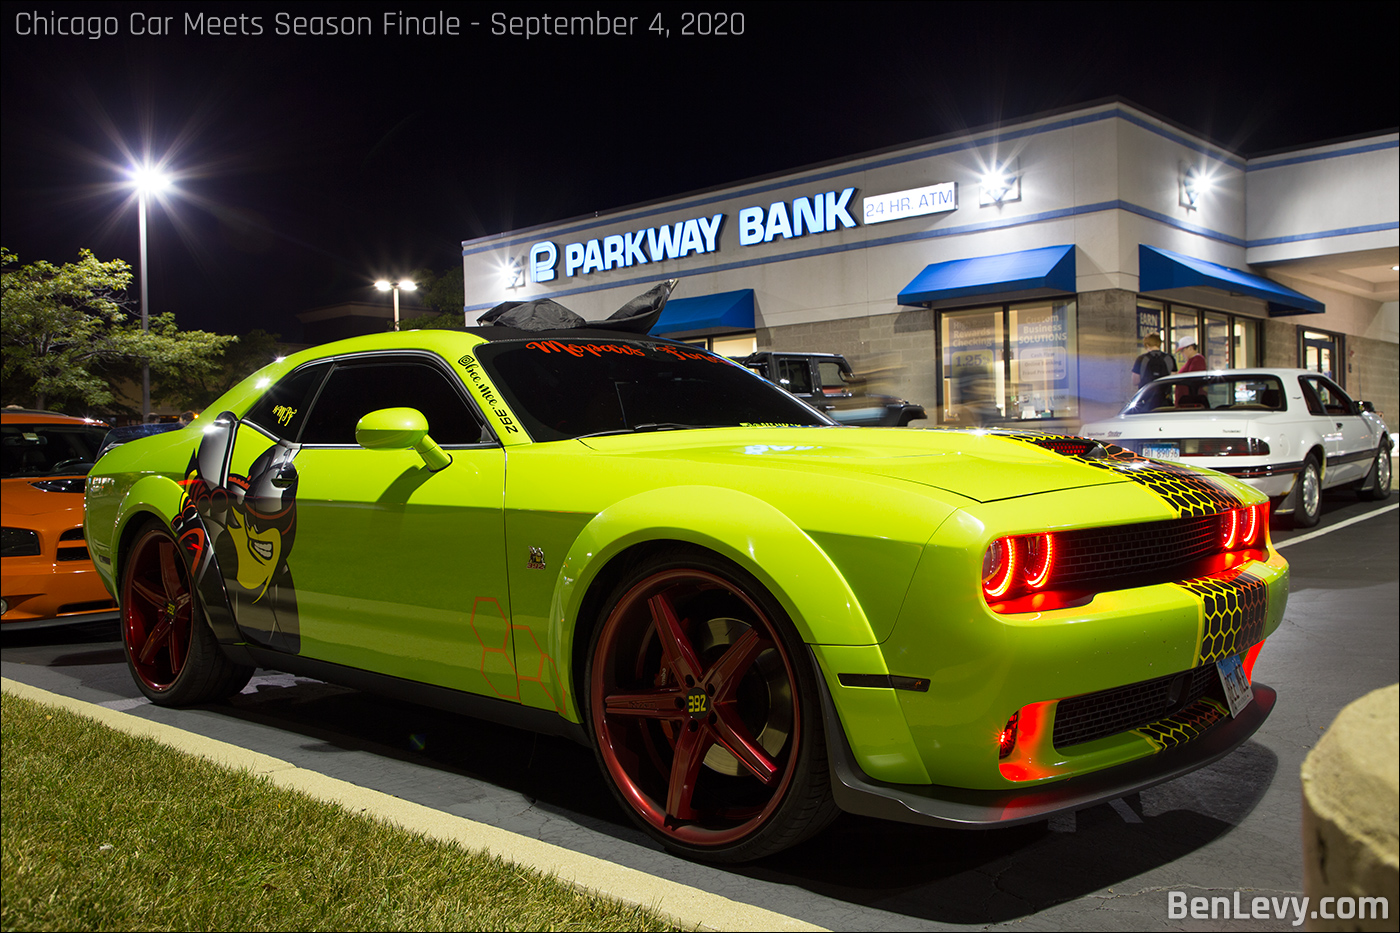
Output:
(1347, 436)
(400, 569)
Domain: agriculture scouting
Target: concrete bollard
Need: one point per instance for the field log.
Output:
(1351, 810)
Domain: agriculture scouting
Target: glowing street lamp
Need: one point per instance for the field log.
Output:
(147, 180)
(384, 285)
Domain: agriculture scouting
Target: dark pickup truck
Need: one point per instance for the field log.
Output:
(825, 381)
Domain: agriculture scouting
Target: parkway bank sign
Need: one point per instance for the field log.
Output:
(695, 236)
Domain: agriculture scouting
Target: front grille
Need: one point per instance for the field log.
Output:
(1094, 555)
(19, 542)
(72, 534)
(73, 553)
(1096, 715)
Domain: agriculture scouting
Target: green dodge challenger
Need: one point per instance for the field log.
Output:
(755, 616)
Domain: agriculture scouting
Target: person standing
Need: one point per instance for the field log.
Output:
(1193, 361)
(1152, 364)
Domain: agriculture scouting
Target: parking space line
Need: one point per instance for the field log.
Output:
(690, 908)
(1331, 528)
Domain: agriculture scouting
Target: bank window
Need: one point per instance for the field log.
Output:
(1014, 363)
(735, 346)
(1227, 341)
(1150, 319)
(1216, 347)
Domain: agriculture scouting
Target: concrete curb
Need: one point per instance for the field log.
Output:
(687, 907)
(1351, 807)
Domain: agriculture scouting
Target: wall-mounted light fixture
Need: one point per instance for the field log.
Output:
(1000, 184)
(1195, 183)
(513, 271)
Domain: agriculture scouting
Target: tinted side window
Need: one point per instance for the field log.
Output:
(1334, 400)
(282, 411)
(833, 382)
(355, 389)
(797, 374)
(1310, 396)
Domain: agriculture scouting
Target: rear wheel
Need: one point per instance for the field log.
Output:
(704, 711)
(170, 650)
(1308, 509)
(1378, 481)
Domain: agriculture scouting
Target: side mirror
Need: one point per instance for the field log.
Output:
(401, 429)
(1364, 406)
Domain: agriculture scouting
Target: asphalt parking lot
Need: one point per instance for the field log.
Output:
(1234, 826)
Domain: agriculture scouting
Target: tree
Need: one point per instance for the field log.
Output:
(444, 293)
(441, 298)
(196, 390)
(65, 333)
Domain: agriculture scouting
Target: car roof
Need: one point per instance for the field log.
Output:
(31, 416)
(1252, 371)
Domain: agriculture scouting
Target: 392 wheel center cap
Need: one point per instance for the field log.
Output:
(697, 703)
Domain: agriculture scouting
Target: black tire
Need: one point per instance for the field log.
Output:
(703, 708)
(170, 650)
(1377, 484)
(1308, 507)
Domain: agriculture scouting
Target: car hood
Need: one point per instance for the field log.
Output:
(978, 466)
(22, 498)
(1172, 425)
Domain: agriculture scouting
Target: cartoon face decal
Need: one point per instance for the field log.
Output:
(238, 532)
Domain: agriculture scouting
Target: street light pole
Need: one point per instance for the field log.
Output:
(146, 180)
(384, 285)
(145, 314)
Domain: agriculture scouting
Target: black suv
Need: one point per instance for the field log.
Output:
(825, 381)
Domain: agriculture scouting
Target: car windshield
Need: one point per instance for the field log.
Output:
(49, 449)
(573, 387)
(1215, 392)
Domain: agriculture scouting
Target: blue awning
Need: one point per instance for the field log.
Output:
(1161, 270)
(706, 314)
(1031, 273)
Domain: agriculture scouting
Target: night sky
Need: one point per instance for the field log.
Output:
(308, 166)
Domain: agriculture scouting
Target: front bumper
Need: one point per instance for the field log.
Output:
(40, 592)
(960, 808)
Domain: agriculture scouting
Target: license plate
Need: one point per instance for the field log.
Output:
(1237, 689)
(1161, 451)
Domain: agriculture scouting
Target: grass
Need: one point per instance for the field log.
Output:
(105, 831)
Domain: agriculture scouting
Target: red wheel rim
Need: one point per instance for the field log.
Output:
(157, 611)
(699, 732)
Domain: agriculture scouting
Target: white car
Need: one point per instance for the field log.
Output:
(1290, 433)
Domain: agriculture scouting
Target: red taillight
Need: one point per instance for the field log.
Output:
(1018, 566)
(1040, 560)
(1006, 740)
(1229, 528)
(999, 568)
(1251, 525)
(1244, 528)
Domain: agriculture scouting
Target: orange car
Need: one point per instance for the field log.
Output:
(48, 578)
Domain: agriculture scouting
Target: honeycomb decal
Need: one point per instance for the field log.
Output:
(1235, 608)
(1183, 726)
(513, 663)
(1190, 493)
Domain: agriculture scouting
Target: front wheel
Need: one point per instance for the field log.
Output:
(170, 650)
(1308, 509)
(704, 711)
(1379, 488)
